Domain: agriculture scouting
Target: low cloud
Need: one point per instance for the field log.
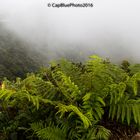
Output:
(110, 29)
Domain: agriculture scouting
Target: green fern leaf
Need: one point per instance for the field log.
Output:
(128, 110)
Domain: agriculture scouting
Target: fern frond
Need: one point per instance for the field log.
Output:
(64, 108)
(97, 132)
(93, 106)
(66, 86)
(134, 82)
(126, 109)
(50, 132)
(37, 126)
(6, 94)
(102, 133)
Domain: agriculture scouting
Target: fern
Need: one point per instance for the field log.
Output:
(97, 132)
(102, 133)
(133, 81)
(93, 106)
(63, 109)
(122, 106)
(70, 100)
(10, 96)
(50, 132)
(66, 86)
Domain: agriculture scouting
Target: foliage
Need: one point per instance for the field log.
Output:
(69, 101)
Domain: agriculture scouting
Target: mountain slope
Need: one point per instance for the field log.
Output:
(16, 59)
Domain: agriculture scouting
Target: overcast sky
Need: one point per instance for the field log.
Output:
(111, 28)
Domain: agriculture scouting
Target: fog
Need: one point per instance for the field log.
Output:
(111, 28)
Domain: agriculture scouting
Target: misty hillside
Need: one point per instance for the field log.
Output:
(16, 59)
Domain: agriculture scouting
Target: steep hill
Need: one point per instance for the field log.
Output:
(16, 59)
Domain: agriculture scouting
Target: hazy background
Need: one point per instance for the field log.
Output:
(110, 29)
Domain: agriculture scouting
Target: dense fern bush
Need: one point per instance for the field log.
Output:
(68, 101)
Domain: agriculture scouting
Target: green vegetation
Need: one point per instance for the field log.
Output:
(71, 101)
(16, 58)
